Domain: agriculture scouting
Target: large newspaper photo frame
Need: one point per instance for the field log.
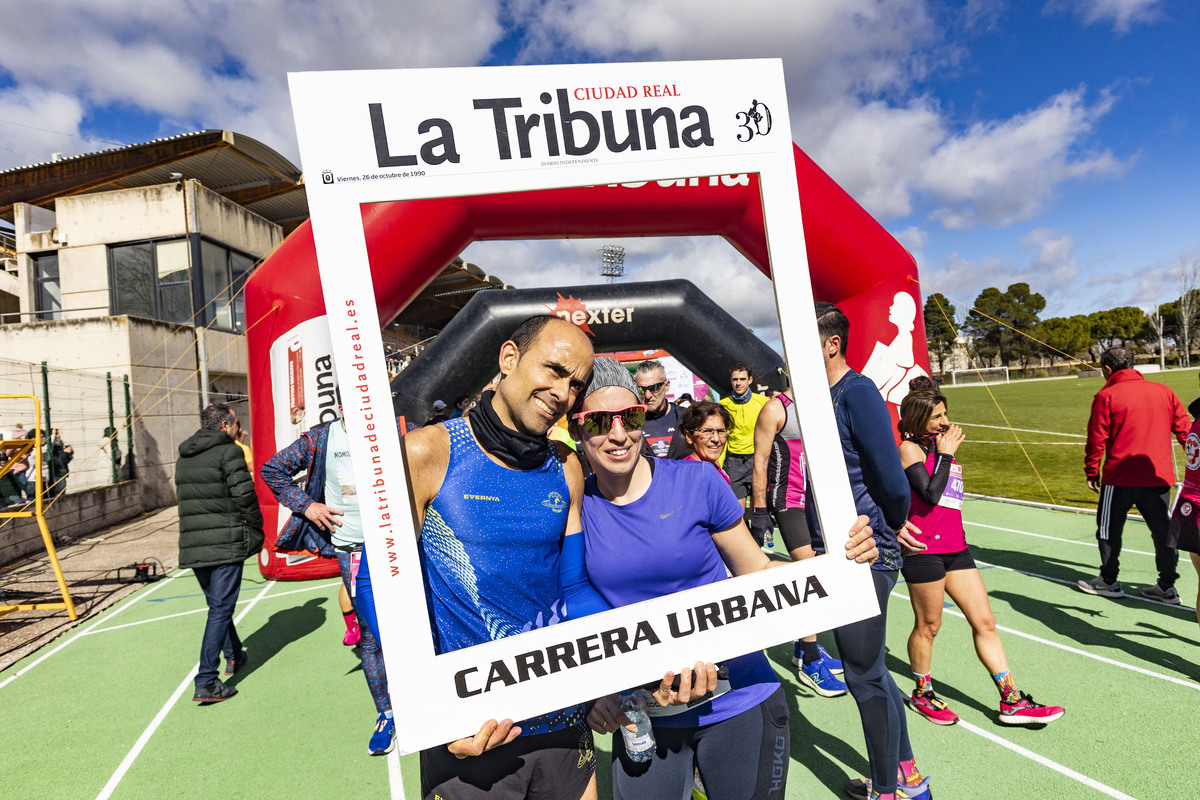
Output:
(378, 136)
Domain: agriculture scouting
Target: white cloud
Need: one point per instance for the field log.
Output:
(29, 117)
(1004, 172)
(913, 238)
(851, 68)
(1123, 13)
(224, 64)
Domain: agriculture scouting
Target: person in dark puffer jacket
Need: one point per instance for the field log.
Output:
(220, 526)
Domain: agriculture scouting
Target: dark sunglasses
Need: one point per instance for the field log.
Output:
(654, 387)
(601, 421)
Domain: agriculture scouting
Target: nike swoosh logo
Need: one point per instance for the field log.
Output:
(669, 513)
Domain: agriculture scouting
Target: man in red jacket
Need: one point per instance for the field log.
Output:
(1131, 425)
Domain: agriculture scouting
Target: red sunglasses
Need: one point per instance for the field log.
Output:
(600, 421)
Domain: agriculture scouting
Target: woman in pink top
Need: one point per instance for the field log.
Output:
(706, 430)
(927, 450)
(1184, 533)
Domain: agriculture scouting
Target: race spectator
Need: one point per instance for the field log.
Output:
(706, 429)
(881, 492)
(60, 459)
(325, 515)
(1131, 426)
(461, 404)
(439, 413)
(220, 526)
(662, 431)
(743, 405)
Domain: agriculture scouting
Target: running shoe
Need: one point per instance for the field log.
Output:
(383, 737)
(831, 663)
(1027, 712)
(235, 665)
(917, 788)
(353, 636)
(1099, 586)
(818, 678)
(213, 692)
(932, 708)
(860, 789)
(1156, 592)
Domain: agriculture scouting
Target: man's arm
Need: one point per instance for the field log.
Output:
(1181, 424)
(1097, 438)
(282, 467)
(769, 424)
(426, 459)
(871, 429)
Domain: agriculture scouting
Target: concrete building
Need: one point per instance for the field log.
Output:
(129, 263)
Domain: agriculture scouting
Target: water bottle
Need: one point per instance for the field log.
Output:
(639, 745)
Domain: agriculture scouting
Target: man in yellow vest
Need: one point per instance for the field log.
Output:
(743, 405)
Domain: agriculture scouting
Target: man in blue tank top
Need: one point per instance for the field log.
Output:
(498, 503)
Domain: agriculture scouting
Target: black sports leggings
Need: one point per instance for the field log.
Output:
(880, 701)
(744, 757)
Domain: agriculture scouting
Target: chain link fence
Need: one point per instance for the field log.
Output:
(87, 438)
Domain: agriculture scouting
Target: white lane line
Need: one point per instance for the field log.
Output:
(205, 609)
(1029, 444)
(1051, 538)
(125, 603)
(188, 680)
(1045, 762)
(1075, 650)
(395, 778)
(1018, 430)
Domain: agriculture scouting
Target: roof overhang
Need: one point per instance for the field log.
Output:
(237, 167)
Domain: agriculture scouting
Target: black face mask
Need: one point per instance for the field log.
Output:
(513, 448)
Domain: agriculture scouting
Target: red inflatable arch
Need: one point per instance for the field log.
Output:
(854, 263)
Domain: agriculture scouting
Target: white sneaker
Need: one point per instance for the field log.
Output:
(1101, 587)
(1156, 592)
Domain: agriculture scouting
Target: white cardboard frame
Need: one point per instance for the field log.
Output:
(340, 155)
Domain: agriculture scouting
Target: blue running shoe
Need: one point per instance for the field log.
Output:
(382, 738)
(818, 678)
(831, 663)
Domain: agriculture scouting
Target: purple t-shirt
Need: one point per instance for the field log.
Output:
(662, 543)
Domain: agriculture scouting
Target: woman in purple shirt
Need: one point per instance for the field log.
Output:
(654, 527)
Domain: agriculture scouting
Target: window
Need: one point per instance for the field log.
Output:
(48, 294)
(152, 279)
(224, 273)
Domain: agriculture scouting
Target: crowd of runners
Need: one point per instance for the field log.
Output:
(663, 497)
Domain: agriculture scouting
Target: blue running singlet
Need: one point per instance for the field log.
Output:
(490, 548)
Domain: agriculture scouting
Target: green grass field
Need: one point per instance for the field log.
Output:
(1050, 418)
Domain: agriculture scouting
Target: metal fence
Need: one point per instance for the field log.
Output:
(86, 411)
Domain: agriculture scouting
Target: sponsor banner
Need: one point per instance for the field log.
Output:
(385, 136)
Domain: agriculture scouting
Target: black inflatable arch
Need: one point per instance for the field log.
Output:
(673, 315)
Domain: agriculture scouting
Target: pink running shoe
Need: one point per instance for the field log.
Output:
(932, 708)
(353, 636)
(1027, 712)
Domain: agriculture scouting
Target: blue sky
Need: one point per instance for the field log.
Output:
(1049, 141)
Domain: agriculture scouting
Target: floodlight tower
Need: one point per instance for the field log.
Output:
(612, 262)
